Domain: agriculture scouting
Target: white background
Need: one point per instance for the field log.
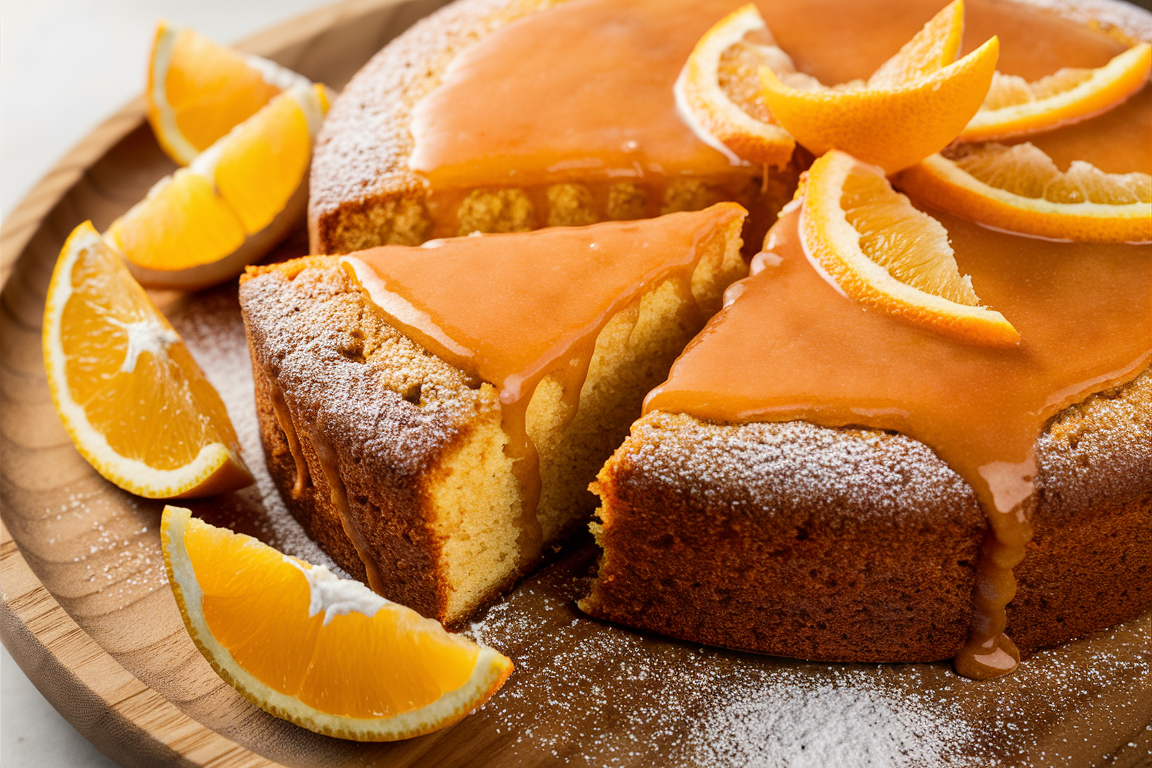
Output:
(65, 66)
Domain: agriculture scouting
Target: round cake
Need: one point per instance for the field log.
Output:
(847, 543)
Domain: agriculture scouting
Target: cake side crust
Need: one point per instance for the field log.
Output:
(859, 545)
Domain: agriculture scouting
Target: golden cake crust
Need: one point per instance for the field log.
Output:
(861, 545)
(369, 435)
(360, 181)
(315, 337)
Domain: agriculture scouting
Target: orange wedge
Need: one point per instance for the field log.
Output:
(885, 254)
(325, 653)
(1015, 107)
(197, 90)
(931, 49)
(131, 397)
(717, 91)
(1020, 189)
(891, 124)
(237, 200)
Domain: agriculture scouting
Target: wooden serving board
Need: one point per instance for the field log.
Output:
(87, 613)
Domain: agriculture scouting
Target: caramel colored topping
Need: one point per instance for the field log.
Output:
(339, 496)
(790, 346)
(284, 419)
(512, 309)
(581, 91)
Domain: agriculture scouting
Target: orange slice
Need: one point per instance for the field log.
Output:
(325, 653)
(237, 200)
(719, 94)
(890, 124)
(931, 49)
(870, 242)
(197, 90)
(1015, 107)
(131, 397)
(717, 91)
(1020, 189)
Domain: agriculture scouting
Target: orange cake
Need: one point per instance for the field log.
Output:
(413, 149)
(862, 543)
(434, 419)
(773, 497)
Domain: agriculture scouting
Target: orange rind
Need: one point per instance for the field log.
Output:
(1015, 107)
(893, 127)
(883, 253)
(325, 653)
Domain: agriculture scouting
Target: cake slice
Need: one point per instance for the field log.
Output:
(404, 393)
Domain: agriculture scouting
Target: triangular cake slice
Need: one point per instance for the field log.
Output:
(433, 415)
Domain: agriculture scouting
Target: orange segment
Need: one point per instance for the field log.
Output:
(892, 127)
(238, 199)
(133, 400)
(265, 158)
(325, 653)
(934, 47)
(182, 223)
(1015, 107)
(1020, 189)
(880, 251)
(197, 90)
(717, 94)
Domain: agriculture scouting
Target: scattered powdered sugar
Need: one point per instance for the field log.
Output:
(590, 694)
(785, 720)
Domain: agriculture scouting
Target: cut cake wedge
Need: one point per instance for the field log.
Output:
(413, 471)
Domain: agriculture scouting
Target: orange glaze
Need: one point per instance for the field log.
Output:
(583, 91)
(788, 347)
(514, 308)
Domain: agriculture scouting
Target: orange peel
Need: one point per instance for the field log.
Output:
(883, 253)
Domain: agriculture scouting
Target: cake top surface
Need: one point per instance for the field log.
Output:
(511, 308)
(790, 346)
(601, 104)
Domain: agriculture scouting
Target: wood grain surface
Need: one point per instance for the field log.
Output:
(86, 610)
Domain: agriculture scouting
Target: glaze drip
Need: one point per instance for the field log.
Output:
(515, 309)
(339, 496)
(284, 419)
(788, 346)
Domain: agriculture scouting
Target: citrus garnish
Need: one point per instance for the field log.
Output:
(325, 653)
(887, 255)
(131, 397)
(1020, 189)
(718, 92)
(238, 198)
(931, 49)
(890, 121)
(1015, 107)
(197, 90)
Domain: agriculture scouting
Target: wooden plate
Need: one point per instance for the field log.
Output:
(87, 613)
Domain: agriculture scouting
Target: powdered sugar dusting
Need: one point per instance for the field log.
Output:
(588, 693)
(213, 330)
